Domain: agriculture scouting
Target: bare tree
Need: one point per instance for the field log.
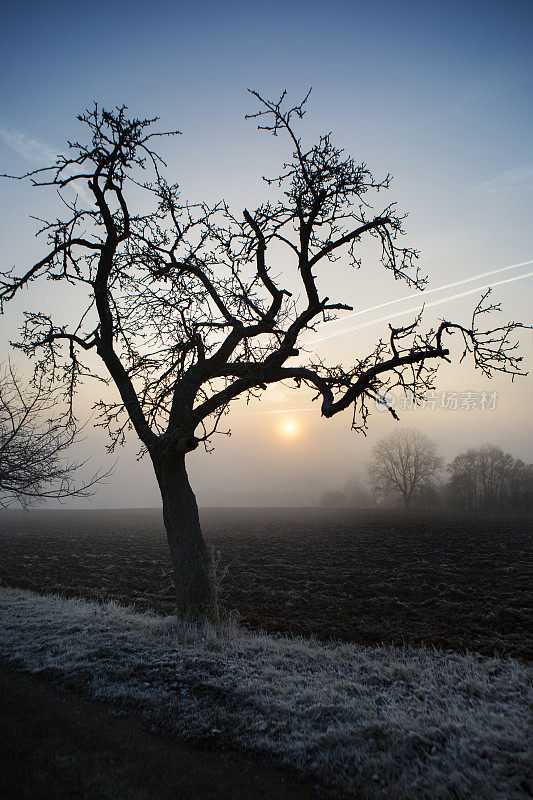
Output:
(186, 309)
(404, 463)
(33, 441)
(487, 478)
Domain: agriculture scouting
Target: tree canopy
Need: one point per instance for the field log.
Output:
(187, 307)
(184, 307)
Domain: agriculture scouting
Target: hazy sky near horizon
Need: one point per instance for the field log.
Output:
(438, 94)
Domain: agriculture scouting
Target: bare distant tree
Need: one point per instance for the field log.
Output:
(33, 441)
(186, 308)
(404, 463)
(487, 478)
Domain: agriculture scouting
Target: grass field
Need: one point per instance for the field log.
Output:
(366, 577)
(370, 723)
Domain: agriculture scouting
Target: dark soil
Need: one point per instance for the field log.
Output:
(369, 577)
(56, 745)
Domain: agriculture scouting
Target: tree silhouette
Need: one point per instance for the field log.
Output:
(487, 478)
(33, 441)
(186, 309)
(404, 463)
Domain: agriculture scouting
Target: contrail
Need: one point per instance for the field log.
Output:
(36, 152)
(431, 291)
(421, 305)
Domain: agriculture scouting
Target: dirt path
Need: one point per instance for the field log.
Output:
(58, 746)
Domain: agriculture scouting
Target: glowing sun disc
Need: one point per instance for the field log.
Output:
(289, 428)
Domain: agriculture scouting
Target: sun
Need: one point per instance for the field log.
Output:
(289, 428)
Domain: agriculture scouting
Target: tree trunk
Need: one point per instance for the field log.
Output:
(195, 595)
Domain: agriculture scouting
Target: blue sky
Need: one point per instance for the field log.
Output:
(438, 93)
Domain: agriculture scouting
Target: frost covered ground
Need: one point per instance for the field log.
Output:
(374, 722)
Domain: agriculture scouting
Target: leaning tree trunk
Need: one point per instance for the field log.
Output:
(195, 596)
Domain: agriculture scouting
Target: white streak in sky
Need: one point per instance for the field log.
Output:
(430, 291)
(31, 150)
(419, 307)
(38, 154)
(511, 180)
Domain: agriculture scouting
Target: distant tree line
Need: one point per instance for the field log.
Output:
(486, 477)
(406, 469)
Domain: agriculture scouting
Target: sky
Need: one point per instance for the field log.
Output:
(438, 94)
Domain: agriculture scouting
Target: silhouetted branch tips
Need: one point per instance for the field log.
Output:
(274, 109)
